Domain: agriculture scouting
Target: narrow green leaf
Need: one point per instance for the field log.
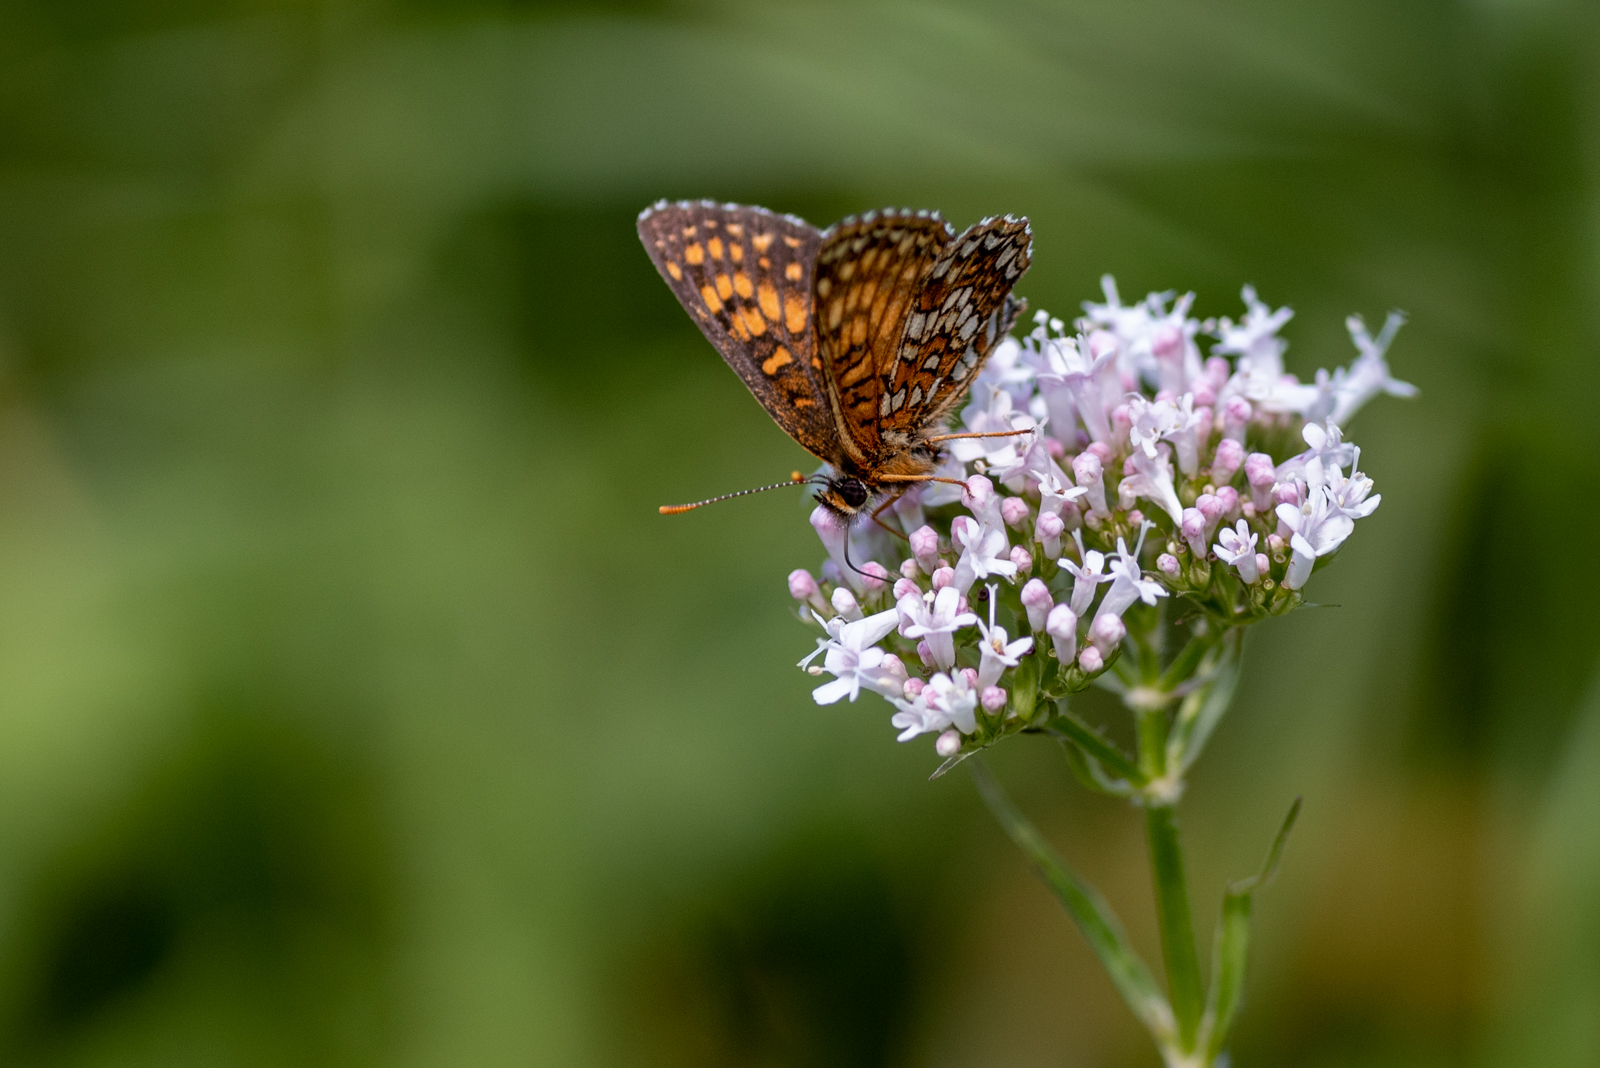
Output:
(1192, 734)
(1086, 907)
(1233, 945)
(1071, 729)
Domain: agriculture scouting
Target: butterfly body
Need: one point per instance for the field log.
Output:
(858, 340)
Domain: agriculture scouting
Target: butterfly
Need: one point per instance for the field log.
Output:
(859, 339)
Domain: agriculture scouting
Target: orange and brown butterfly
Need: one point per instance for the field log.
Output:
(859, 339)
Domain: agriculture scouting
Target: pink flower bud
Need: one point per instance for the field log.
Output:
(1228, 499)
(912, 687)
(844, 602)
(1204, 397)
(1106, 633)
(971, 676)
(1193, 528)
(1121, 422)
(977, 494)
(1022, 559)
(1228, 460)
(1235, 416)
(925, 654)
(949, 743)
(1091, 661)
(1014, 510)
(1050, 527)
(1167, 564)
(1287, 493)
(1276, 544)
(1136, 518)
(925, 547)
(910, 570)
(1100, 451)
(1217, 372)
(1211, 507)
(1036, 600)
(1263, 565)
(993, 698)
(943, 577)
(894, 667)
(1062, 626)
(905, 588)
(802, 587)
(876, 577)
(1262, 475)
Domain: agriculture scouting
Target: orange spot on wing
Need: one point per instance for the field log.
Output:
(858, 330)
(688, 231)
(792, 272)
(736, 229)
(736, 325)
(724, 286)
(769, 300)
(803, 402)
(713, 301)
(735, 251)
(761, 241)
(741, 285)
(753, 320)
(675, 271)
(779, 358)
(835, 313)
(714, 246)
(794, 313)
(695, 254)
(792, 242)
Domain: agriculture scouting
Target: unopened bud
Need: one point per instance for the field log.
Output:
(1228, 460)
(925, 547)
(1014, 511)
(994, 698)
(1036, 600)
(943, 577)
(1021, 559)
(1090, 660)
(844, 602)
(1167, 564)
(905, 588)
(949, 743)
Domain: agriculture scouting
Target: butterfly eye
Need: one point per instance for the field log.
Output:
(852, 491)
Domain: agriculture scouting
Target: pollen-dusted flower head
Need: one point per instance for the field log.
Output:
(1141, 483)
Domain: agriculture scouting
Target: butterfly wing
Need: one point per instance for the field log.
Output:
(870, 271)
(963, 308)
(745, 276)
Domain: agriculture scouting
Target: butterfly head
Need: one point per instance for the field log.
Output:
(844, 494)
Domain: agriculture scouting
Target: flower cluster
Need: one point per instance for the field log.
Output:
(1127, 482)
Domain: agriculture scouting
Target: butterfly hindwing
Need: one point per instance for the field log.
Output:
(869, 272)
(744, 275)
(962, 309)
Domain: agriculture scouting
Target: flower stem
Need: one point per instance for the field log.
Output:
(1177, 926)
(1184, 985)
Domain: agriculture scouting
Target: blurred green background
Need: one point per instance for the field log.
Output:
(357, 708)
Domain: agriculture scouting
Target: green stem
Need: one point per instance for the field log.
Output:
(1185, 988)
(1177, 925)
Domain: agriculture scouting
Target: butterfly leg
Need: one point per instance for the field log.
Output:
(986, 434)
(885, 506)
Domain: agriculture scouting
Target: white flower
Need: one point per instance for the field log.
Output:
(1151, 479)
(1349, 495)
(955, 697)
(1085, 576)
(1319, 528)
(936, 622)
(1065, 363)
(1328, 450)
(996, 654)
(1255, 339)
(918, 715)
(1369, 374)
(1128, 583)
(985, 551)
(997, 417)
(1151, 421)
(1238, 547)
(852, 656)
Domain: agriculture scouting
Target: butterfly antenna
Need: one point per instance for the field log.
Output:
(795, 479)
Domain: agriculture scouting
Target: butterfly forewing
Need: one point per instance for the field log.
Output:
(745, 275)
(963, 307)
(869, 272)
